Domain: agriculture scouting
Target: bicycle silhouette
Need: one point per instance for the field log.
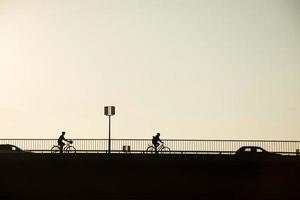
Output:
(68, 148)
(161, 148)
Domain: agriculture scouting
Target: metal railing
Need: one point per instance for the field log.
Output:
(176, 145)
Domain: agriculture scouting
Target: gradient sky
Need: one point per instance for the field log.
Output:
(186, 68)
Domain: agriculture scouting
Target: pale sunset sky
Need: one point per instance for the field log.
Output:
(189, 69)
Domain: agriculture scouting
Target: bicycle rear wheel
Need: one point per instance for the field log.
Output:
(150, 149)
(55, 149)
(70, 149)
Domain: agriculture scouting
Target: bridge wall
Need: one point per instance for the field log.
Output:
(137, 176)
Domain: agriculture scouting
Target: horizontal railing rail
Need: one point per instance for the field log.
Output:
(140, 145)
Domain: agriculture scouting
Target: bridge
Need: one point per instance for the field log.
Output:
(193, 169)
(177, 146)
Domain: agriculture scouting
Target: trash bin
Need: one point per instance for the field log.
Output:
(126, 148)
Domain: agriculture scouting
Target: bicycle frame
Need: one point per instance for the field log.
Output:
(161, 147)
(66, 146)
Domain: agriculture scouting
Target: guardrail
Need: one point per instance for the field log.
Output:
(176, 145)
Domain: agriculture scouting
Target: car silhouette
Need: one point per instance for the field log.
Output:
(253, 151)
(9, 148)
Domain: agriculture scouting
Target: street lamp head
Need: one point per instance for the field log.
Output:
(109, 110)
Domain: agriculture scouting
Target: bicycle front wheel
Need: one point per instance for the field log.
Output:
(165, 150)
(150, 149)
(55, 149)
(70, 149)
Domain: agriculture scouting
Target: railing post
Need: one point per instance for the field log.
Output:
(109, 140)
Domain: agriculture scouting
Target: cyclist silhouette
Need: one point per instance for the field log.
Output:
(60, 141)
(156, 141)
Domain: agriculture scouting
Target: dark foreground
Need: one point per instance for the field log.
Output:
(138, 176)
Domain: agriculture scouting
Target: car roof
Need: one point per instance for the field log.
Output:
(7, 146)
(252, 147)
(243, 148)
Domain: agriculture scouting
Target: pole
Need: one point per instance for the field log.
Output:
(109, 141)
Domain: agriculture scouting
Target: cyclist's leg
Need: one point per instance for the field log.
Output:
(156, 146)
(61, 146)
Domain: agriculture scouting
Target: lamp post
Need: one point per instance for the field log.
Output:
(109, 111)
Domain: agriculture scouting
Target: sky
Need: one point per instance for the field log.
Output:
(189, 69)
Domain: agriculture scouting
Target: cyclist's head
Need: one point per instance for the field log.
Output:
(158, 134)
(63, 132)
